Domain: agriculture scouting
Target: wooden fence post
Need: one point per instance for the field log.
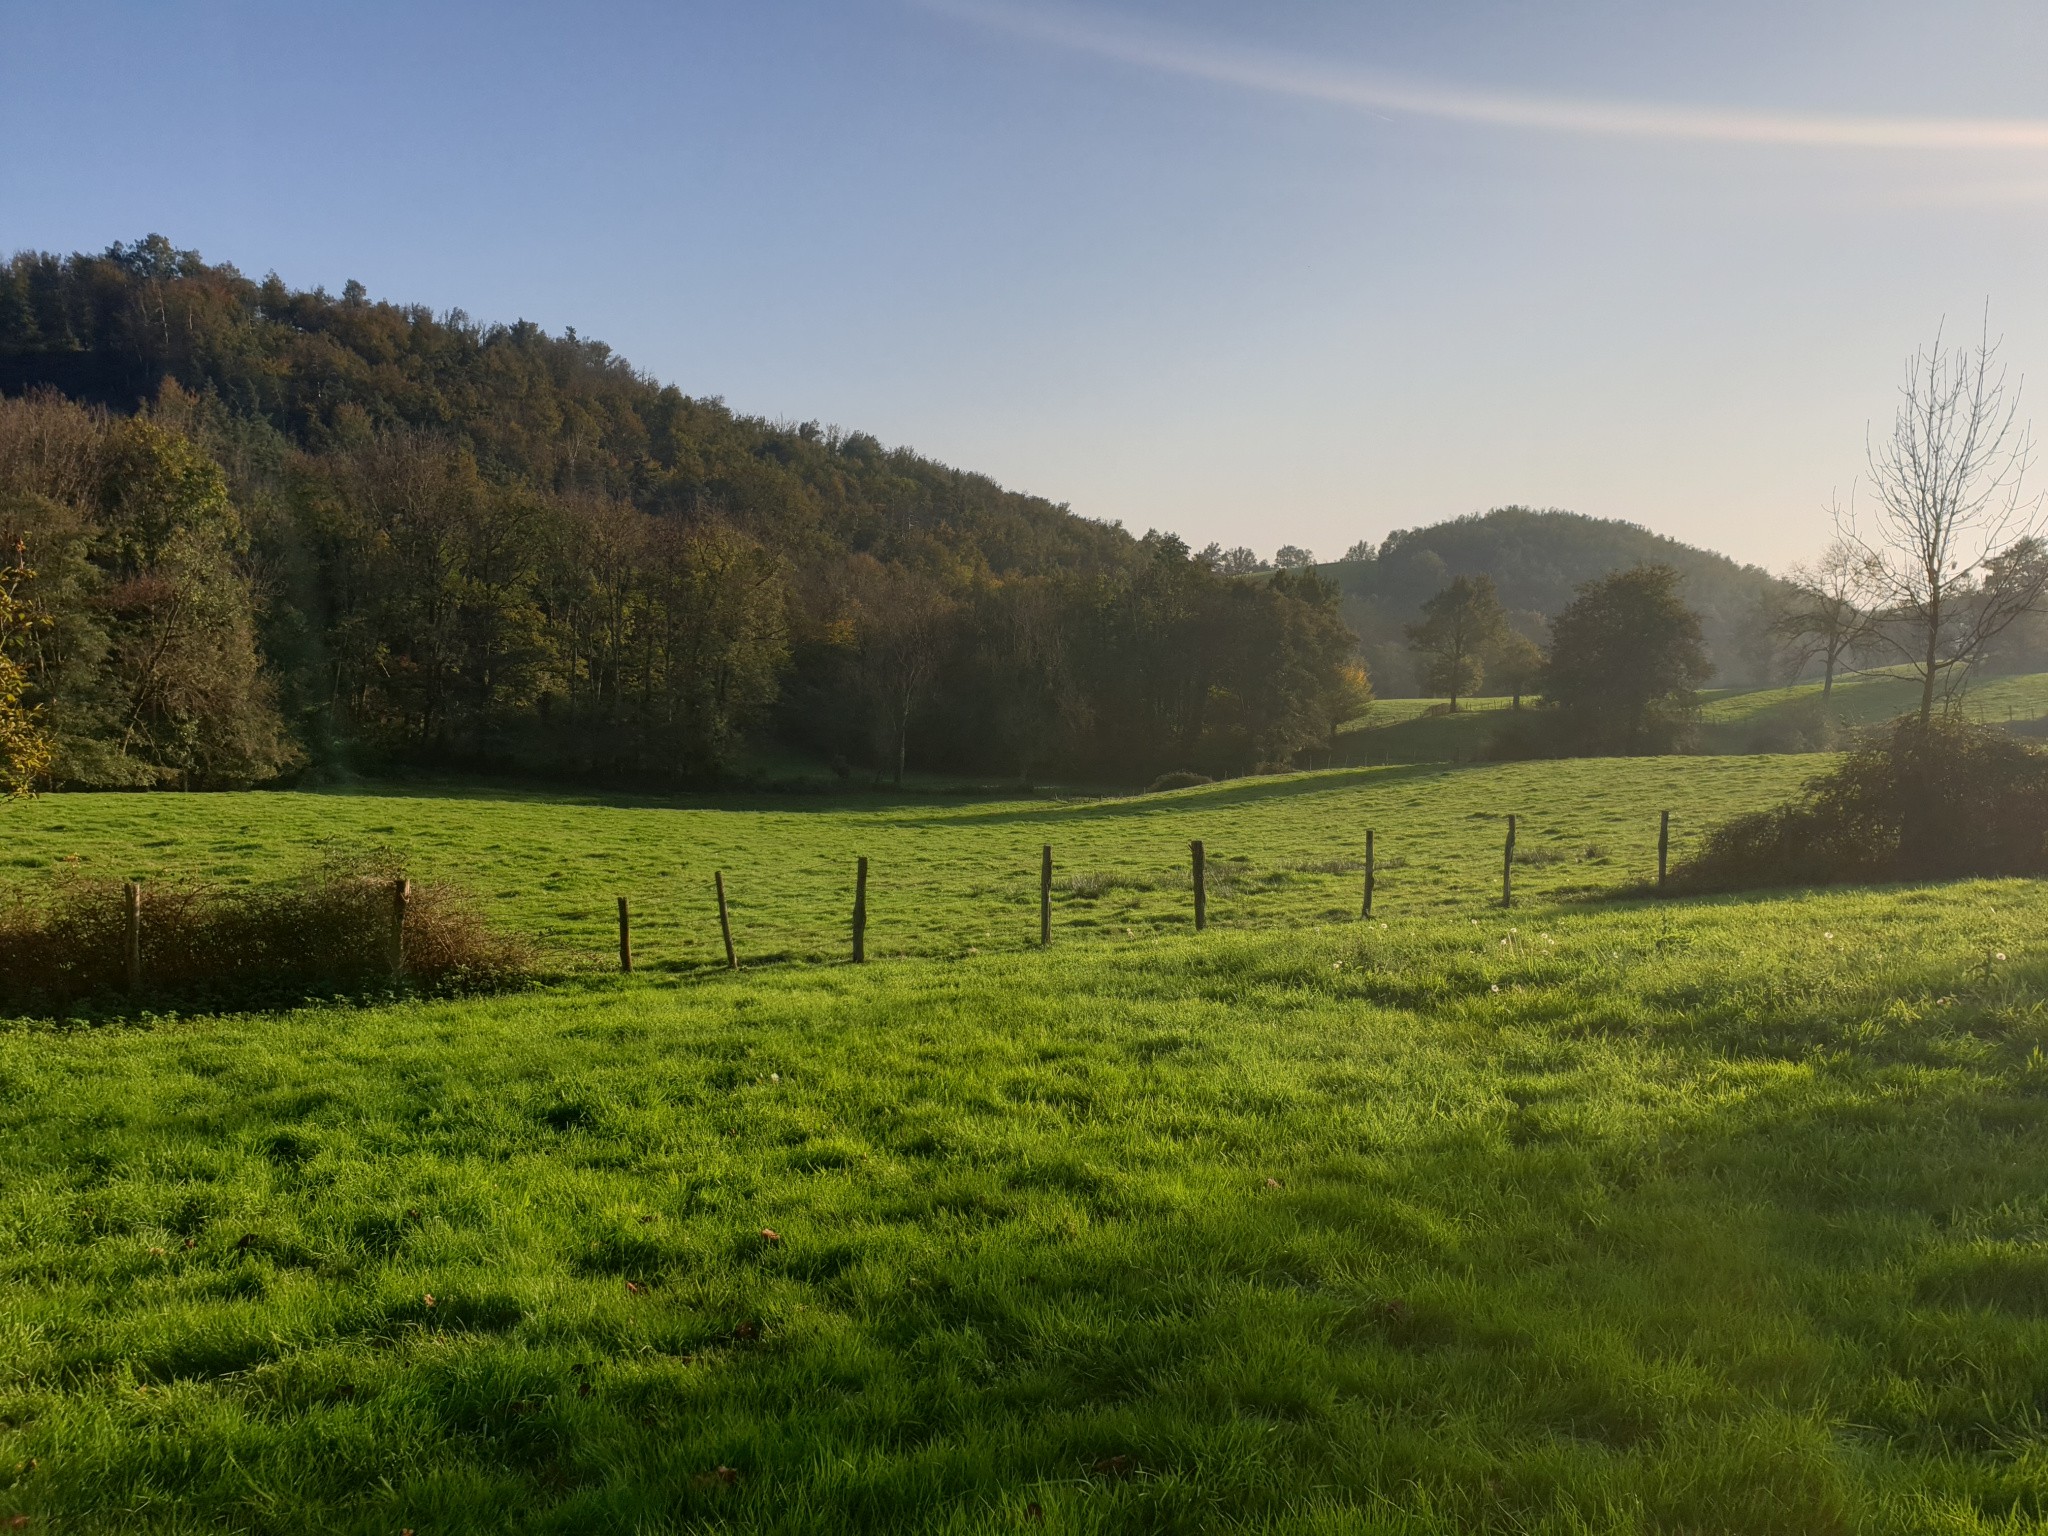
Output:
(625, 938)
(1045, 897)
(725, 923)
(132, 947)
(1201, 886)
(1507, 866)
(1366, 910)
(1663, 846)
(860, 911)
(401, 891)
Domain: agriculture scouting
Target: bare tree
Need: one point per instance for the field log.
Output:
(1821, 617)
(1952, 510)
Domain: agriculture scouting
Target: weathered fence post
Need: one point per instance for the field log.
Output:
(1507, 866)
(1201, 886)
(1663, 846)
(860, 911)
(625, 938)
(725, 922)
(401, 891)
(1366, 911)
(1045, 896)
(132, 945)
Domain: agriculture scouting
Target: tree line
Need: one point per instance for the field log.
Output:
(257, 529)
(1620, 677)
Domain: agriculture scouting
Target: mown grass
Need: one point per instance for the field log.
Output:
(1726, 1216)
(946, 877)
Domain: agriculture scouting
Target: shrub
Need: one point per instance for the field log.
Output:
(324, 933)
(1179, 780)
(1803, 726)
(1944, 801)
(1525, 736)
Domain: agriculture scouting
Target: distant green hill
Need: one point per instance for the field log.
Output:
(1538, 559)
(1792, 719)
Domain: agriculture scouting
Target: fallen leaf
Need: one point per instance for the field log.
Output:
(18, 1523)
(646, 1220)
(634, 1288)
(770, 1235)
(1274, 1184)
(191, 1242)
(428, 1298)
(1114, 1466)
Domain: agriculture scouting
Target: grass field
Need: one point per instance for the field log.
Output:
(1871, 698)
(1731, 720)
(1589, 1216)
(1722, 1217)
(946, 877)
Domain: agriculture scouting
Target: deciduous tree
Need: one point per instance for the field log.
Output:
(1949, 550)
(25, 748)
(1516, 663)
(1625, 659)
(1459, 626)
(1821, 614)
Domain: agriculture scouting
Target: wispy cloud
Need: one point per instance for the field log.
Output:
(1308, 79)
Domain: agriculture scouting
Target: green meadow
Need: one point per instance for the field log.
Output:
(947, 876)
(1594, 1215)
(1731, 720)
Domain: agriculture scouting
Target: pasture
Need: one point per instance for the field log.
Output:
(947, 877)
(1790, 719)
(1593, 1215)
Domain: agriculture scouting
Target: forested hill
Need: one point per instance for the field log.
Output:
(1538, 559)
(559, 413)
(271, 527)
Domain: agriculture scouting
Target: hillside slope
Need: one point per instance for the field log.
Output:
(1538, 559)
(1732, 720)
(432, 541)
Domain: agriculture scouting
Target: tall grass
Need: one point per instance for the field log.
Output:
(325, 932)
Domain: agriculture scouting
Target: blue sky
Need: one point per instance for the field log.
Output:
(1287, 272)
